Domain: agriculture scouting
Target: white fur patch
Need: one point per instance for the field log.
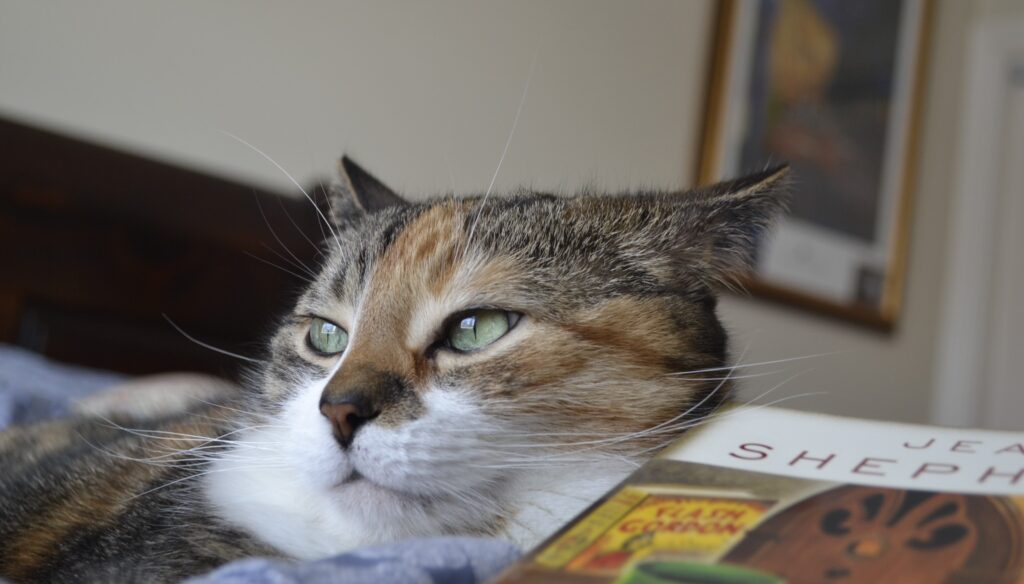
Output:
(292, 486)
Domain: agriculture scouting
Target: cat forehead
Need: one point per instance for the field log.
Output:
(539, 240)
(405, 243)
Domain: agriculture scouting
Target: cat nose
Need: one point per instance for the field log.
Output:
(347, 415)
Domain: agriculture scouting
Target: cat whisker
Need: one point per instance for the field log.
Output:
(294, 182)
(115, 425)
(706, 397)
(330, 208)
(283, 269)
(199, 475)
(720, 416)
(207, 345)
(219, 457)
(758, 364)
(221, 420)
(245, 412)
(173, 459)
(504, 152)
(448, 165)
(642, 433)
(747, 376)
(687, 424)
(550, 462)
(280, 203)
(298, 266)
(685, 413)
(295, 262)
(182, 437)
(672, 426)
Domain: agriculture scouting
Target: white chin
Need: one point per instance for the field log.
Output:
(371, 502)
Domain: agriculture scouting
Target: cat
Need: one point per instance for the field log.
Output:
(486, 365)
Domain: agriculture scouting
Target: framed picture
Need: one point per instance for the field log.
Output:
(832, 88)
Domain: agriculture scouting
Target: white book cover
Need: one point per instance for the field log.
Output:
(855, 451)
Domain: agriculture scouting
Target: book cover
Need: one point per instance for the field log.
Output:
(773, 496)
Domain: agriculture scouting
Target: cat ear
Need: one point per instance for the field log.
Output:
(368, 193)
(356, 193)
(723, 224)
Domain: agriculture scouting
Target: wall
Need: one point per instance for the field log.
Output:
(981, 343)
(423, 92)
(426, 93)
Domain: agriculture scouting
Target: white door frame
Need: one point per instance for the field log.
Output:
(994, 47)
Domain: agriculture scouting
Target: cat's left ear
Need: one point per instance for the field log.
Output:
(724, 223)
(358, 193)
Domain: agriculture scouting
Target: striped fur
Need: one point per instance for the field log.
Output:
(617, 297)
(73, 508)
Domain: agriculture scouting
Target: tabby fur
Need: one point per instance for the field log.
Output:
(618, 301)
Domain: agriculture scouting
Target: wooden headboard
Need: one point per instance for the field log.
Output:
(96, 245)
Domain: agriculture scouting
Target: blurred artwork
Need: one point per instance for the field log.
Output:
(828, 87)
(823, 96)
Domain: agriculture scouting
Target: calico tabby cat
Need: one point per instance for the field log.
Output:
(485, 365)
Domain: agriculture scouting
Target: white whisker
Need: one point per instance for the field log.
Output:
(504, 151)
(283, 269)
(759, 364)
(280, 203)
(207, 345)
(296, 261)
(292, 179)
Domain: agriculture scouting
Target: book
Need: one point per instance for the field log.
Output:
(767, 495)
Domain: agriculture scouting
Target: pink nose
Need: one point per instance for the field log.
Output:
(346, 417)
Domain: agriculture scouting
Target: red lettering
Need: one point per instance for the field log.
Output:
(1018, 448)
(662, 511)
(935, 468)
(964, 446)
(922, 447)
(631, 526)
(750, 447)
(728, 514)
(991, 472)
(730, 528)
(871, 463)
(821, 461)
(702, 527)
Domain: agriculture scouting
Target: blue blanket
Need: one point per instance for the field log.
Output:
(32, 389)
(443, 560)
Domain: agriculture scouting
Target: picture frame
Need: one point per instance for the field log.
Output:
(834, 89)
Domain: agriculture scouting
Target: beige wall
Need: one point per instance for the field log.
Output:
(425, 93)
(412, 89)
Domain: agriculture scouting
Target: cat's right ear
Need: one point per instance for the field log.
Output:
(368, 193)
(358, 193)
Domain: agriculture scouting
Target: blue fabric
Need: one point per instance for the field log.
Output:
(443, 560)
(33, 388)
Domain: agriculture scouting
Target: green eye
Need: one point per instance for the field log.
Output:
(478, 328)
(327, 338)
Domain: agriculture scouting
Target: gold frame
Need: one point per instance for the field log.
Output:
(883, 317)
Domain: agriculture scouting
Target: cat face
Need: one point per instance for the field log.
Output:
(448, 346)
